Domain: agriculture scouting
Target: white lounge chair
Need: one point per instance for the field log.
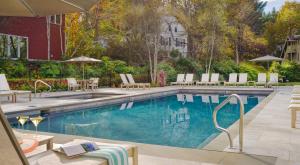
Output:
(180, 80)
(138, 85)
(232, 79)
(261, 79)
(123, 106)
(243, 79)
(125, 82)
(273, 79)
(189, 80)
(214, 80)
(204, 79)
(72, 84)
(5, 89)
(15, 156)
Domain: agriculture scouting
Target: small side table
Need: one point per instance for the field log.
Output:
(41, 139)
(251, 83)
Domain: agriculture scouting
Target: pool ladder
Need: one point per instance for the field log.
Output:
(43, 82)
(241, 122)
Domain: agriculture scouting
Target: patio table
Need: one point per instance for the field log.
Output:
(84, 84)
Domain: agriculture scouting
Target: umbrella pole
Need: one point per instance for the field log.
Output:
(82, 71)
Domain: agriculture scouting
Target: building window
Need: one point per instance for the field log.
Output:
(14, 47)
(175, 29)
(55, 19)
(170, 28)
(170, 41)
(177, 42)
(183, 43)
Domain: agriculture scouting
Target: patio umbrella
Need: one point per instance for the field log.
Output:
(267, 59)
(33, 8)
(83, 60)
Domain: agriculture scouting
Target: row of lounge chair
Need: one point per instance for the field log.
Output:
(234, 79)
(128, 81)
(294, 106)
(6, 91)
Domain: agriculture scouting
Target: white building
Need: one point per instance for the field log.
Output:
(173, 36)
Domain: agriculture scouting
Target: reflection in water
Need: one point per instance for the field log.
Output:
(182, 120)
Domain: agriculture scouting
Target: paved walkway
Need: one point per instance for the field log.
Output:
(270, 132)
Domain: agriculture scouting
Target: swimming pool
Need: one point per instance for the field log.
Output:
(182, 120)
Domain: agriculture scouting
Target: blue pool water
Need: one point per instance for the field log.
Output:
(177, 120)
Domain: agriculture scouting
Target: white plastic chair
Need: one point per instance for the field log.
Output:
(189, 79)
(214, 80)
(180, 79)
(125, 82)
(232, 79)
(243, 79)
(72, 84)
(6, 91)
(204, 79)
(273, 79)
(261, 79)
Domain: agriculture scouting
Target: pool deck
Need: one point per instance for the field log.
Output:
(267, 131)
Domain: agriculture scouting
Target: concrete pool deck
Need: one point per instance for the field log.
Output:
(268, 134)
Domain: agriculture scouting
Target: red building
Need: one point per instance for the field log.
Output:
(38, 38)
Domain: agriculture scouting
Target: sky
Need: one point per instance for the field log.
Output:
(275, 3)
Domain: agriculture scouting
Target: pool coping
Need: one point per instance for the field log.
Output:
(72, 105)
(221, 142)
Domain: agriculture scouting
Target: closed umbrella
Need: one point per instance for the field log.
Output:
(267, 59)
(83, 60)
(34, 8)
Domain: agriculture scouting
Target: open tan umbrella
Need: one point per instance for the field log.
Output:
(83, 60)
(267, 59)
(33, 8)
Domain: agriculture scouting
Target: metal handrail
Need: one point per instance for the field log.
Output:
(241, 122)
(43, 82)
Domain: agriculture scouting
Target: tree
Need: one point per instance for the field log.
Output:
(212, 24)
(143, 26)
(285, 24)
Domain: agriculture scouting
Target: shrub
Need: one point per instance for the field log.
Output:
(169, 70)
(251, 69)
(50, 70)
(225, 67)
(186, 65)
(175, 53)
(13, 68)
(287, 70)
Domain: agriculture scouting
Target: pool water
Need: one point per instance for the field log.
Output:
(181, 120)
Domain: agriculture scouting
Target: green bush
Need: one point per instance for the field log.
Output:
(251, 69)
(187, 65)
(50, 70)
(225, 68)
(13, 68)
(287, 70)
(169, 70)
(175, 53)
